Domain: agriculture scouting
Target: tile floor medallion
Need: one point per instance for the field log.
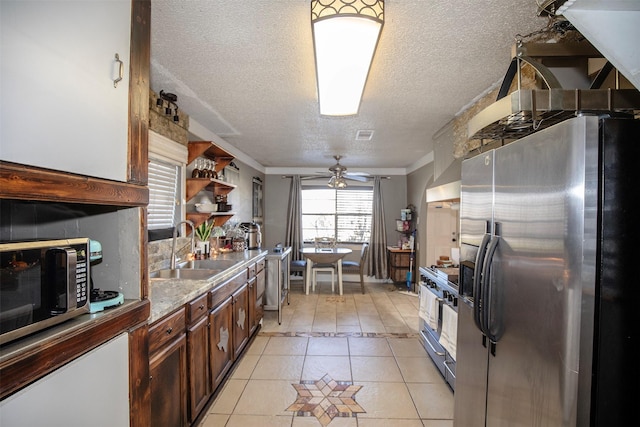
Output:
(326, 399)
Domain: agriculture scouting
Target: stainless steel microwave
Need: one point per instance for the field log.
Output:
(42, 283)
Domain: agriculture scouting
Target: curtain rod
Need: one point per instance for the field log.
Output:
(323, 177)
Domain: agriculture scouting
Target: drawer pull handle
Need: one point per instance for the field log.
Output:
(169, 330)
(201, 307)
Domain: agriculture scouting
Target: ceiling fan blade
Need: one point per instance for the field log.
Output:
(323, 175)
(356, 177)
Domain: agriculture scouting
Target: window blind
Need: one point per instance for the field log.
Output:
(163, 193)
(344, 214)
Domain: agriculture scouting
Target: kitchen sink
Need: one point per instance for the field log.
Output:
(186, 273)
(210, 264)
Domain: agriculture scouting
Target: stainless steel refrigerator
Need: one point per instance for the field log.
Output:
(549, 279)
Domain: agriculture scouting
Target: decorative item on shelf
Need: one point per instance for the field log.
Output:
(204, 168)
(236, 234)
(206, 207)
(171, 99)
(203, 233)
(217, 239)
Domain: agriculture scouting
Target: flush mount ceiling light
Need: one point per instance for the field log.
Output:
(345, 36)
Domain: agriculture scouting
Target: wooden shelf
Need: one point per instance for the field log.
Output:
(217, 187)
(219, 218)
(210, 151)
(195, 185)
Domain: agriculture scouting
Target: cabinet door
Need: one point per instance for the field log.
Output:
(199, 378)
(168, 369)
(240, 319)
(220, 341)
(59, 107)
(252, 312)
(258, 299)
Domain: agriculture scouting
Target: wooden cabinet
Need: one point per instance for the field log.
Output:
(240, 319)
(192, 349)
(198, 355)
(168, 370)
(217, 187)
(256, 296)
(399, 264)
(220, 341)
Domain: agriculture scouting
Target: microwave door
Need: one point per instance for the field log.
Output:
(58, 279)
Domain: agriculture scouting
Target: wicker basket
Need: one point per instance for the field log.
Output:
(239, 245)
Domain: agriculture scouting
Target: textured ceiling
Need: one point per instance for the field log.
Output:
(245, 71)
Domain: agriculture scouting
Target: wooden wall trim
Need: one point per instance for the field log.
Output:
(26, 367)
(139, 388)
(140, 59)
(23, 182)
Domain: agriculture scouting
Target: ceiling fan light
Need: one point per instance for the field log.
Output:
(345, 36)
(341, 182)
(332, 182)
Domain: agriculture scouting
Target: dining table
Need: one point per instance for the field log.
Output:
(323, 256)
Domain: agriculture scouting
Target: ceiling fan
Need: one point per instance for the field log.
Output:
(339, 175)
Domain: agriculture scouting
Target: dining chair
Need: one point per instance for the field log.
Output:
(298, 266)
(324, 243)
(323, 268)
(357, 266)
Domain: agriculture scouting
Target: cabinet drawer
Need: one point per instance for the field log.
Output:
(251, 271)
(225, 290)
(197, 308)
(260, 265)
(166, 329)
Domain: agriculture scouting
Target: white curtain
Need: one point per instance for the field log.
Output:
(377, 259)
(294, 218)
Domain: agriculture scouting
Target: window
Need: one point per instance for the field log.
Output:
(167, 161)
(163, 191)
(344, 214)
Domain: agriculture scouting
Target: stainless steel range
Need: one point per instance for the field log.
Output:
(438, 318)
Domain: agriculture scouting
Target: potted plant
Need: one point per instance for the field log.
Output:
(203, 233)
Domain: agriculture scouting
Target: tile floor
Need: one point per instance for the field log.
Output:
(337, 361)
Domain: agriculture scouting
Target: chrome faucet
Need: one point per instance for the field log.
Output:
(175, 235)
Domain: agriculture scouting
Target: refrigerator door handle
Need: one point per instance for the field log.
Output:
(477, 282)
(491, 313)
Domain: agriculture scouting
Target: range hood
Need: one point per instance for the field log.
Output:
(447, 185)
(612, 26)
(446, 169)
(524, 111)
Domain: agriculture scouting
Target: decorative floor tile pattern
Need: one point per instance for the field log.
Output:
(339, 334)
(336, 299)
(326, 399)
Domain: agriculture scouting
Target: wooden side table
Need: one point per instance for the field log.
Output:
(399, 261)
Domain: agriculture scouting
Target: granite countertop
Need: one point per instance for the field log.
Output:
(166, 295)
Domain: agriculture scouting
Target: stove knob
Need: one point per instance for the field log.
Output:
(445, 295)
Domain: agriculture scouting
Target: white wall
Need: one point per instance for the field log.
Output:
(92, 390)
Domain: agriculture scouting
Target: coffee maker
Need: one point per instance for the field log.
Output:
(252, 234)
